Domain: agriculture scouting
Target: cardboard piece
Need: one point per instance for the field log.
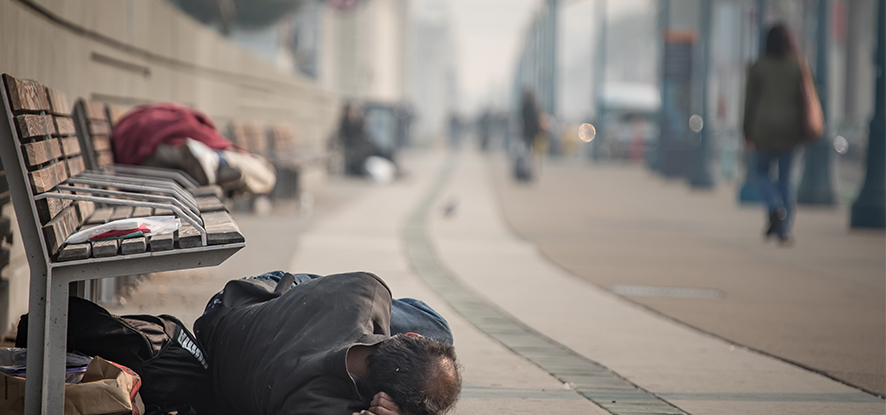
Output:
(106, 388)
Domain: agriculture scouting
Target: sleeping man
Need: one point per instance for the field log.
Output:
(304, 344)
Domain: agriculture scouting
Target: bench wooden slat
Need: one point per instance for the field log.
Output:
(75, 251)
(70, 146)
(40, 152)
(141, 212)
(101, 215)
(49, 208)
(75, 166)
(163, 212)
(26, 95)
(64, 126)
(210, 204)
(133, 245)
(59, 228)
(107, 248)
(99, 127)
(85, 210)
(162, 242)
(104, 158)
(115, 113)
(188, 236)
(121, 212)
(101, 143)
(221, 228)
(33, 125)
(48, 177)
(94, 110)
(58, 102)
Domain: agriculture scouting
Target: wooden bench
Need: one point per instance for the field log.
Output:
(54, 197)
(250, 135)
(291, 160)
(94, 122)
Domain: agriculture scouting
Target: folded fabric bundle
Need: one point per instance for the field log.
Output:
(129, 228)
(122, 233)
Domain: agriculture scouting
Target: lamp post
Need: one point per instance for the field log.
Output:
(869, 210)
(701, 175)
(816, 186)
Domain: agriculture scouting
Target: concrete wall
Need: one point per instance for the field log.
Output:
(129, 52)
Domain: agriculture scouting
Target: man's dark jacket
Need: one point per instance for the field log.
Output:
(276, 351)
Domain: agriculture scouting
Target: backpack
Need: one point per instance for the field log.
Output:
(173, 368)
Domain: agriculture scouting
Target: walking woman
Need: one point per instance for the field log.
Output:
(774, 125)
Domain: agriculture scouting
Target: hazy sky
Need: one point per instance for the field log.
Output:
(488, 34)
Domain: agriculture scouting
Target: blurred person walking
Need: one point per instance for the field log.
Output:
(531, 128)
(780, 104)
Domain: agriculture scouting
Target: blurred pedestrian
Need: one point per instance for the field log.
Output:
(361, 152)
(484, 125)
(774, 119)
(532, 128)
(531, 122)
(454, 131)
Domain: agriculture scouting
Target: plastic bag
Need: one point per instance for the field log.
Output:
(13, 362)
(158, 225)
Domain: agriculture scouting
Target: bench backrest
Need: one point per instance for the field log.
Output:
(48, 152)
(281, 137)
(249, 135)
(94, 130)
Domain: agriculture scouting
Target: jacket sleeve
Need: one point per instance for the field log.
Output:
(751, 101)
(324, 396)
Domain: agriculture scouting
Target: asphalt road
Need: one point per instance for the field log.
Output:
(699, 258)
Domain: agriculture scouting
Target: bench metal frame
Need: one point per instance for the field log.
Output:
(49, 280)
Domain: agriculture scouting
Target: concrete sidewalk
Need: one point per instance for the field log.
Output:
(691, 370)
(686, 370)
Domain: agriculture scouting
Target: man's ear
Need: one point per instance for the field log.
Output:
(411, 334)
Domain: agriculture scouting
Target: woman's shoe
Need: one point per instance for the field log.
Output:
(775, 220)
(786, 240)
(774, 224)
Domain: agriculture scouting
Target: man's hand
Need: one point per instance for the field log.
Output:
(382, 404)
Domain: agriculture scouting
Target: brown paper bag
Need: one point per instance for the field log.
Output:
(106, 389)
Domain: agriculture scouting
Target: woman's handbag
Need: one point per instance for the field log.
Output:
(811, 114)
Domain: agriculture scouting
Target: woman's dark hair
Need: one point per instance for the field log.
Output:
(421, 374)
(779, 41)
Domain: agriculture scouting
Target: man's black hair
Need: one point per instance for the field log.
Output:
(421, 374)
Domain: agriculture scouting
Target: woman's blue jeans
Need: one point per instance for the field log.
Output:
(779, 194)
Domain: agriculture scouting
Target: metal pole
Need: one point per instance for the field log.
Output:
(552, 44)
(653, 156)
(702, 177)
(816, 187)
(869, 210)
(599, 80)
(749, 192)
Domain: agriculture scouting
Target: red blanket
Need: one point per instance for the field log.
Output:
(142, 129)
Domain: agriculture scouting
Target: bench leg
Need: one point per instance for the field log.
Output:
(47, 337)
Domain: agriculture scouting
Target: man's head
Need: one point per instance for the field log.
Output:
(420, 374)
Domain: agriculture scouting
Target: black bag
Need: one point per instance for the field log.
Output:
(173, 368)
